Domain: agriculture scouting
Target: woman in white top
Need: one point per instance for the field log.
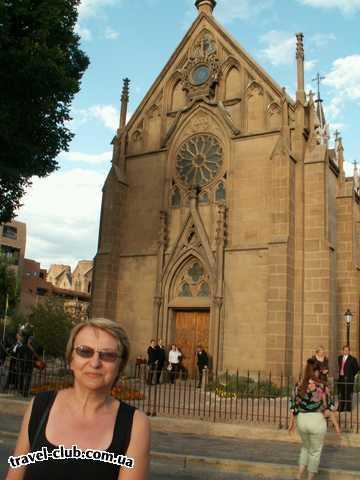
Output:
(174, 362)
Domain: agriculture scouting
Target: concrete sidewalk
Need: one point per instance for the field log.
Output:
(247, 449)
(268, 458)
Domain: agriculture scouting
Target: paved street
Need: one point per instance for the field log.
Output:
(158, 471)
(183, 444)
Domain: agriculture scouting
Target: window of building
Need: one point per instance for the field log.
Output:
(41, 291)
(11, 253)
(10, 232)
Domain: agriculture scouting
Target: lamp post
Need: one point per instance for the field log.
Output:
(348, 318)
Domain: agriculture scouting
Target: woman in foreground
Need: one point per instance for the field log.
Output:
(310, 405)
(86, 415)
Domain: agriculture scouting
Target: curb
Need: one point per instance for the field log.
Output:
(251, 431)
(199, 464)
(264, 470)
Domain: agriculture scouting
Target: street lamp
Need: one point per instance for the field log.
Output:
(348, 319)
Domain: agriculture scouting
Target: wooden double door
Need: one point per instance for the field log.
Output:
(192, 329)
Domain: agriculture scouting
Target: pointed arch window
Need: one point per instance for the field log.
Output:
(220, 194)
(176, 198)
(193, 281)
(203, 198)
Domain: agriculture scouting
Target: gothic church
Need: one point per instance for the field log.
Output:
(226, 218)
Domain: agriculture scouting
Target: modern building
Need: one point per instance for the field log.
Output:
(226, 218)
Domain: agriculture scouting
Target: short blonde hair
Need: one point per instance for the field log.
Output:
(320, 347)
(108, 326)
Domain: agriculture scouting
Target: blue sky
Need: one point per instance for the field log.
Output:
(127, 38)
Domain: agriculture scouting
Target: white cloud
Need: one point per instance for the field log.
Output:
(349, 169)
(310, 64)
(345, 6)
(344, 83)
(108, 115)
(279, 49)
(83, 32)
(111, 34)
(322, 39)
(62, 215)
(228, 10)
(90, 8)
(345, 76)
(90, 158)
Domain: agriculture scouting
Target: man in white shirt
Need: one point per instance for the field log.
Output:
(174, 361)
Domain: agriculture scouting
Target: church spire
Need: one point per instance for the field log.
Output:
(319, 102)
(300, 92)
(124, 102)
(205, 6)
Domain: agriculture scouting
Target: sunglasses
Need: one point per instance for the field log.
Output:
(88, 352)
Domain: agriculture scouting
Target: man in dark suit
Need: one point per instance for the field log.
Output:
(202, 360)
(160, 357)
(152, 360)
(348, 368)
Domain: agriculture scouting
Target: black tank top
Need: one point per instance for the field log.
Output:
(73, 468)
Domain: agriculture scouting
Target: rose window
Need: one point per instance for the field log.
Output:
(199, 160)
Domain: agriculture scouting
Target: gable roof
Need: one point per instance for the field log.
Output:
(228, 38)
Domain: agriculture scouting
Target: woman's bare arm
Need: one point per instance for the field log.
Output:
(139, 449)
(22, 446)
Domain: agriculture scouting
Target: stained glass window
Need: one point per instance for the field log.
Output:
(220, 193)
(199, 160)
(175, 198)
(204, 290)
(204, 198)
(185, 290)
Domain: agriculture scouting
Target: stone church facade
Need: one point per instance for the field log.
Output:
(227, 219)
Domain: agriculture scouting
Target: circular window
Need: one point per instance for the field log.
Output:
(199, 160)
(200, 74)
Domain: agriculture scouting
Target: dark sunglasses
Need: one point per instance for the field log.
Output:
(88, 352)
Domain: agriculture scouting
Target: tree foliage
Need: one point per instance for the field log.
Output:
(41, 66)
(9, 286)
(51, 326)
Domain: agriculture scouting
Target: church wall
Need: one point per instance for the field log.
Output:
(135, 296)
(140, 217)
(317, 295)
(245, 293)
(249, 219)
(348, 289)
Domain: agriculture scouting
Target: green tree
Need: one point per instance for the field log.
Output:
(41, 66)
(51, 326)
(9, 287)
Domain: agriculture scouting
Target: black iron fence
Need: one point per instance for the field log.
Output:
(250, 397)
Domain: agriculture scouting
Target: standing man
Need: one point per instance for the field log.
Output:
(202, 362)
(348, 368)
(174, 362)
(160, 354)
(152, 360)
(14, 375)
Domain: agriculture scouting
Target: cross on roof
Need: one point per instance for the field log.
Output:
(318, 79)
(337, 134)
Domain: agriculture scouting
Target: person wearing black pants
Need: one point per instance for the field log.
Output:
(348, 368)
(160, 357)
(152, 361)
(202, 362)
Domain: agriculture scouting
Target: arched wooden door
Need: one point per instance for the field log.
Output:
(192, 329)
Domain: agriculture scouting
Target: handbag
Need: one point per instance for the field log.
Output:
(39, 364)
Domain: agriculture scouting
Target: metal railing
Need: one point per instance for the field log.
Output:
(249, 397)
